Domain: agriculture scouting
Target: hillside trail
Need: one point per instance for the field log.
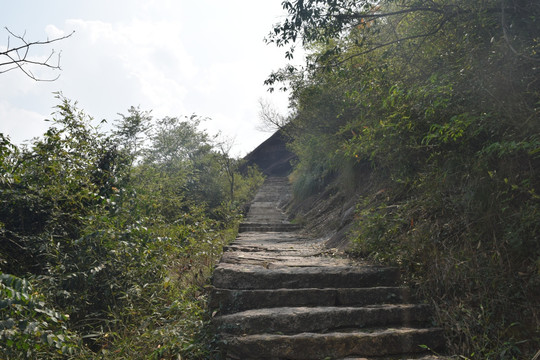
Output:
(279, 294)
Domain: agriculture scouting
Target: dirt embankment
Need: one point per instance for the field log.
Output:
(329, 212)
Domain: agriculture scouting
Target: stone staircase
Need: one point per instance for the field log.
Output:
(280, 295)
(264, 214)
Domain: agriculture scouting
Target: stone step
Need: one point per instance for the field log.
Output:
(266, 209)
(403, 357)
(291, 320)
(333, 345)
(258, 227)
(273, 194)
(227, 301)
(244, 276)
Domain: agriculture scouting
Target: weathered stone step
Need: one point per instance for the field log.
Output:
(285, 227)
(271, 261)
(402, 357)
(265, 213)
(262, 206)
(335, 345)
(259, 248)
(241, 276)
(271, 193)
(291, 320)
(273, 239)
(227, 301)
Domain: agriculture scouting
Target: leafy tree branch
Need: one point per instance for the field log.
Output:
(353, 27)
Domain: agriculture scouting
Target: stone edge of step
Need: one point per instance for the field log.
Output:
(322, 319)
(227, 301)
(366, 343)
(236, 276)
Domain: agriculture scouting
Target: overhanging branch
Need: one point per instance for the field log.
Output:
(18, 57)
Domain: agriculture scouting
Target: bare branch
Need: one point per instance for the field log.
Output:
(377, 15)
(18, 57)
(398, 40)
(271, 119)
(507, 39)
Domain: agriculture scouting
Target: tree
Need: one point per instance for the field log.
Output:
(348, 26)
(229, 165)
(176, 139)
(132, 131)
(17, 56)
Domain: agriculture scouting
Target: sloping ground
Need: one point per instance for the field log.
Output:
(329, 212)
(281, 295)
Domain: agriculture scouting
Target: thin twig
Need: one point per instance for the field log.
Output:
(507, 39)
(412, 37)
(18, 56)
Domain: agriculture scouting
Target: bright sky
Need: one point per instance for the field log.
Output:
(174, 57)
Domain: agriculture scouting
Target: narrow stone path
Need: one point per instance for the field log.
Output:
(280, 295)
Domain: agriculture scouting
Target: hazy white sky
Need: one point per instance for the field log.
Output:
(174, 57)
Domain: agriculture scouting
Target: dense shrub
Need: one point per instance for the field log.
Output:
(116, 232)
(28, 328)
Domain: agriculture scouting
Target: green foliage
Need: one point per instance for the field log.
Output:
(118, 231)
(441, 98)
(28, 328)
(164, 312)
